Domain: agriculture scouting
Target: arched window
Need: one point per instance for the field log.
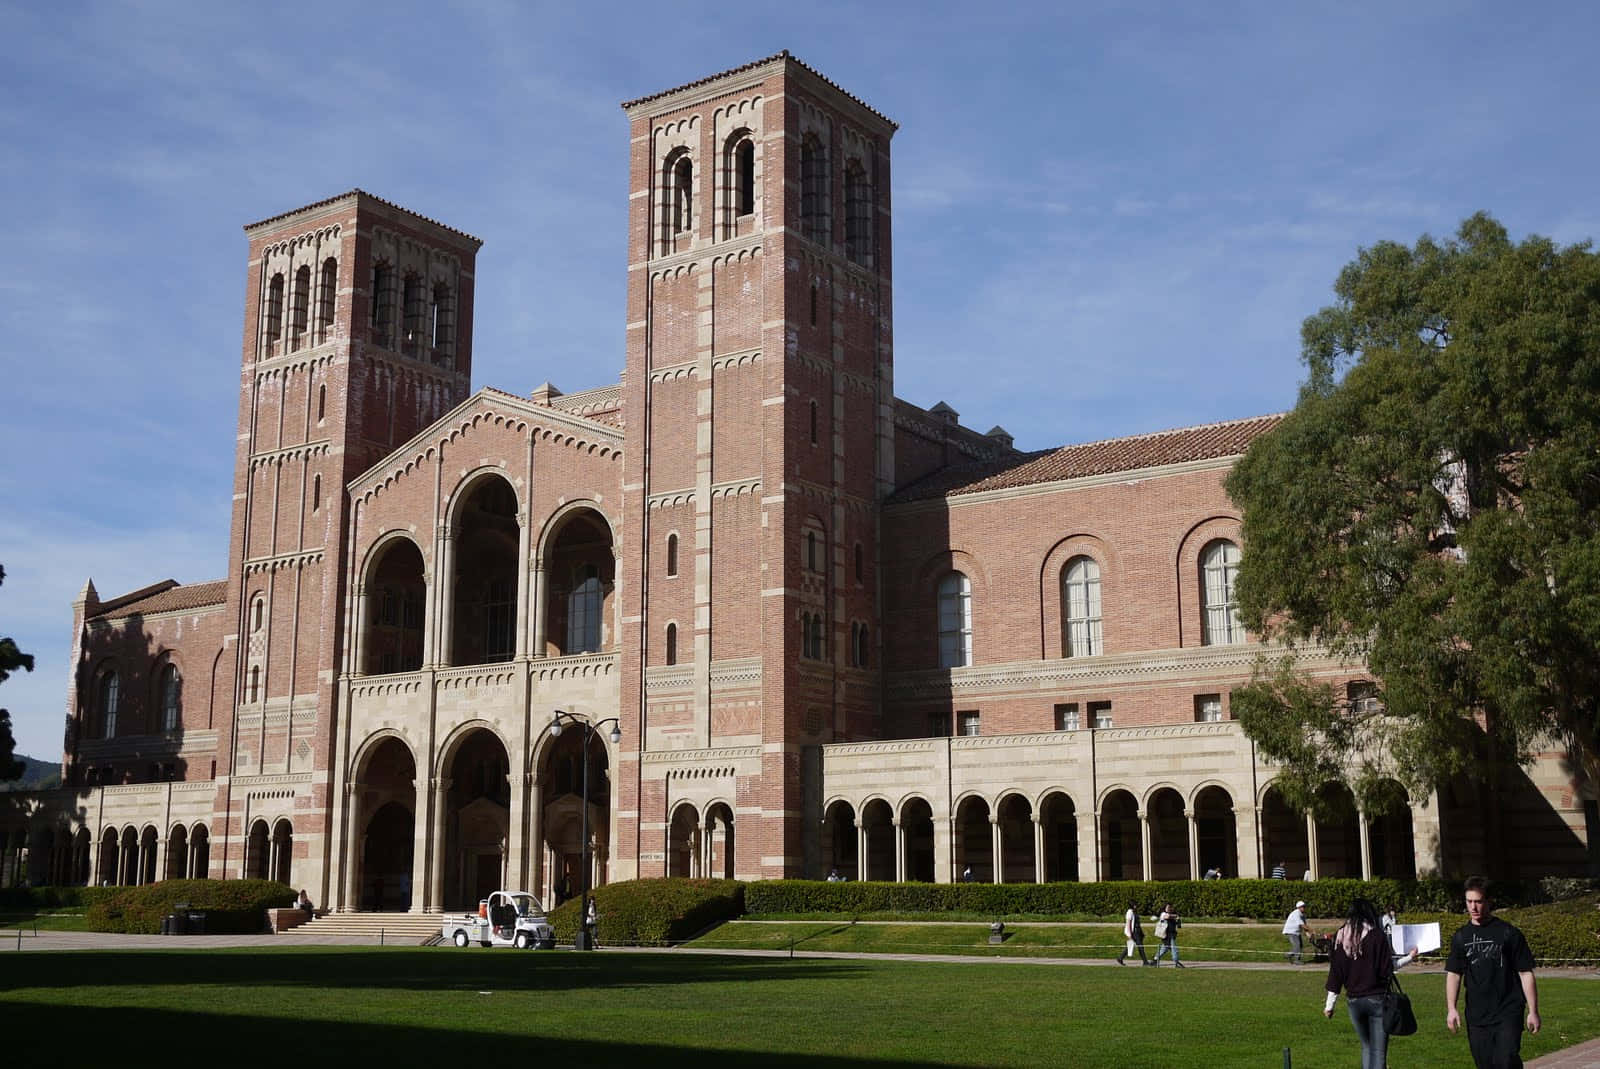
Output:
(322, 403)
(382, 317)
(327, 290)
(300, 308)
(110, 698)
(442, 319)
(316, 492)
(813, 189)
(955, 621)
(412, 309)
(818, 650)
(1080, 597)
(744, 176)
(672, 554)
(275, 307)
(860, 563)
(499, 628)
(1219, 570)
(813, 423)
(583, 612)
(255, 683)
(682, 195)
(857, 213)
(672, 643)
(813, 304)
(258, 611)
(171, 697)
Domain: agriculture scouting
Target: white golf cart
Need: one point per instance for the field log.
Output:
(504, 919)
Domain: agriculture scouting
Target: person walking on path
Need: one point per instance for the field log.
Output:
(1133, 933)
(1494, 959)
(1294, 927)
(1167, 924)
(1362, 966)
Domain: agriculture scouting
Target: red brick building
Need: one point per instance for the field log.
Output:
(828, 628)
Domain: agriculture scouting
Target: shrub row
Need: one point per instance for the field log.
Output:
(38, 898)
(232, 907)
(653, 912)
(1260, 899)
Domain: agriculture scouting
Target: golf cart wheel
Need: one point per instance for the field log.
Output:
(461, 939)
(522, 941)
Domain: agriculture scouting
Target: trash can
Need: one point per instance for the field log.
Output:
(197, 922)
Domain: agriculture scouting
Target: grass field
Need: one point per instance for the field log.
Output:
(424, 1006)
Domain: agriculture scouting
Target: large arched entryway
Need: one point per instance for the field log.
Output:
(877, 834)
(578, 580)
(1216, 831)
(1059, 820)
(1169, 835)
(477, 819)
(1121, 841)
(565, 808)
(916, 831)
(839, 840)
(1283, 836)
(1391, 843)
(974, 840)
(1017, 864)
(177, 852)
(1338, 834)
(683, 841)
(485, 584)
(396, 596)
(384, 828)
(258, 852)
(199, 853)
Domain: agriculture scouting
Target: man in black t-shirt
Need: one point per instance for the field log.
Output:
(1498, 966)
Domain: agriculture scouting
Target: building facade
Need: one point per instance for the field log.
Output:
(811, 626)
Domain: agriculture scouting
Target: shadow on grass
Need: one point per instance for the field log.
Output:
(407, 969)
(246, 1041)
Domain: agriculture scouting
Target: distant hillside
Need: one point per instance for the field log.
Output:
(38, 774)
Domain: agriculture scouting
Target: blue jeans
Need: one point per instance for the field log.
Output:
(1366, 1015)
(1169, 943)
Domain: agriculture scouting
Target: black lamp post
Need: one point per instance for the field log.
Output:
(585, 939)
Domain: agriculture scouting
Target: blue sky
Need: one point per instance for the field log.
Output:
(1108, 218)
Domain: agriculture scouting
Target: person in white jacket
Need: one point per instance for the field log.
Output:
(1295, 928)
(1133, 933)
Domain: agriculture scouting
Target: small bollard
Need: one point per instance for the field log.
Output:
(380, 937)
(1286, 1058)
(19, 937)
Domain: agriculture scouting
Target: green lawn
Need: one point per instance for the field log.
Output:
(71, 920)
(440, 1005)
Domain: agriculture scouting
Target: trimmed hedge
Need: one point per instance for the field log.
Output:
(232, 907)
(1259, 899)
(42, 898)
(653, 912)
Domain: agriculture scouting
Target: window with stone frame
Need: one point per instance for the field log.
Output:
(300, 306)
(1067, 716)
(1361, 697)
(171, 697)
(672, 554)
(814, 221)
(1207, 708)
(1080, 598)
(955, 621)
(1100, 715)
(857, 213)
(1219, 605)
(939, 724)
(274, 309)
(968, 722)
(109, 698)
(672, 644)
(327, 293)
(442, 320)
(381, 317)
(411, 308)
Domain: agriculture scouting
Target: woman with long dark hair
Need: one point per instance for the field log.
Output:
(1362, 965)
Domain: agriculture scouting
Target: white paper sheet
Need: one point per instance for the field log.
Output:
(1424, 937)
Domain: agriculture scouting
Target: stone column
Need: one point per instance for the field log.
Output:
(1144, 844)
(354, 854)
(861, 850)
(541, 594)
(524, 555)
(535, 830)
(1366, 843)
(358, 641)
(997, 848)
(427, 880)
(517, 832)
(1194, 843)
(1038, 849)
(1314, 863)
(899, 851)
(945, 869)
(1247, 833)
(1426, 843)
(1089, 846)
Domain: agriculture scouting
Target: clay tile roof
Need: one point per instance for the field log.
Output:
(1106, 457)
(370, 196)
(785, 54)
(167, 596)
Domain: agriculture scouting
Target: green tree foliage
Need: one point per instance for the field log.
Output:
(11, 659)
(1432, 506)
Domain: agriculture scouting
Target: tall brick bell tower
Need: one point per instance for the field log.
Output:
(357, 334)
(758, 395)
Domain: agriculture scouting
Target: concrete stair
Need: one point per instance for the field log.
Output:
(394, 929)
